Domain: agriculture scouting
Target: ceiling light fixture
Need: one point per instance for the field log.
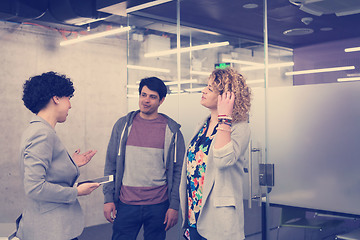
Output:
(254, 81)
(146, 5)
(96, 35)
(250, 5)
(181, 82)
(145, 68)
(298, 31)
(176, 91)
(326, 29)
(353, 49)
(353, 74)
(204, 31)
(132, 95)
(348, 79)
(320, 70)
(199, 89)
(186, 49)
(274, 65)
(200, 73)
(242, 62)
(132, 86)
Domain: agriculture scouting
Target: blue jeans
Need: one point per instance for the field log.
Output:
(130, 218)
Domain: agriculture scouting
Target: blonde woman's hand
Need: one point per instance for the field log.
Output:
(226, 103)
(86, 188)
(83, 158)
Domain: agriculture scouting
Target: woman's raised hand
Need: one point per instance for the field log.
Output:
(226, 103)
(83, 158)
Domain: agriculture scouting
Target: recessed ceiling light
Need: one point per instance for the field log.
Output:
(307, 20)
(298, 31)
(250, 5)
(296, 2)
(325, 29)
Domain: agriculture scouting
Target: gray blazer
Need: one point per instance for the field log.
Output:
(222, 213)
(51, 209)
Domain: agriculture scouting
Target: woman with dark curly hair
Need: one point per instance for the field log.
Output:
(52, 210)
(211, 195)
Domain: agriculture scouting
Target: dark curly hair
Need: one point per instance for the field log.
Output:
(38, 90)
(154, 84)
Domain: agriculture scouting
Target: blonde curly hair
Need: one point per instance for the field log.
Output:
(229, 80)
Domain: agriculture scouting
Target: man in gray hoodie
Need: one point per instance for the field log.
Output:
(145, 155)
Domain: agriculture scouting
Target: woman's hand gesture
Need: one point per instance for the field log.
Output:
(226, 103)
(84, 158)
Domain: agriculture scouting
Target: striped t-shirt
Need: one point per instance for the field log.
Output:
(144, 180)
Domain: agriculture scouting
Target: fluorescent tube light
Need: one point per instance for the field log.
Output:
(181, 93)
(186, 49)
(320, 70)
(199, 89)
(181, 82)
(254, 81)
(354, 49)
(146, 5)
(204, 31)
(96, 35)
(242, 62)
(176, 91)
(132, 95)
(348, 79)
(132, 86)
(353, 75)
(82, 20)
(164, 70)
(274, 65)
(200, 73)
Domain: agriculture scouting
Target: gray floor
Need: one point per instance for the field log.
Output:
(104, 231)
(99, 232)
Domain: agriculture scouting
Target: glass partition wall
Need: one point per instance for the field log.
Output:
(312, 131)
(303, 126)
(155, 48)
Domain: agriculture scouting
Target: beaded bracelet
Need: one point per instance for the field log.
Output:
(223, 129)
(224, 120)
(226, 123)
(224, 117)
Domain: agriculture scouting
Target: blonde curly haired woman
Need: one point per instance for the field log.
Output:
(211, 195)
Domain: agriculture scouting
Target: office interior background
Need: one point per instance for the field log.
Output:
(300, 57)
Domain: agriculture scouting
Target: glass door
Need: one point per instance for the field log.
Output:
(302, 161)
(184, 56)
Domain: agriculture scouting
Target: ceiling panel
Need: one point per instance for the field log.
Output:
(224, 16)
(231, 17)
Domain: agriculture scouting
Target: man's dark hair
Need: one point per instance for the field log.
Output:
(38, 90)
(154, 84)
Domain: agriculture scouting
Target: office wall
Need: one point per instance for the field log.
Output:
(98, 70)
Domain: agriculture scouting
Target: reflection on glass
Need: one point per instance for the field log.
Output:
(153, 47)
